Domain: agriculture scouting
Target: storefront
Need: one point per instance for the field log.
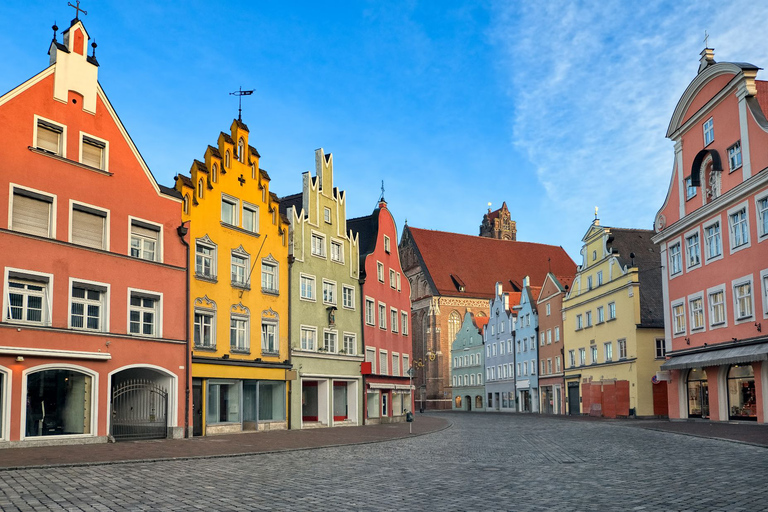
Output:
(698, 393)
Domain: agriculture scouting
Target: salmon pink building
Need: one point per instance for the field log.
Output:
(713, 235)
(386, 319)
(92, 331)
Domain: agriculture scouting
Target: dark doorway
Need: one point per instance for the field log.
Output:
(197, 407)
(573, 399)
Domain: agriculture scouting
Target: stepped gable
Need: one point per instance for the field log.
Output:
(623, 242)
(480, 262)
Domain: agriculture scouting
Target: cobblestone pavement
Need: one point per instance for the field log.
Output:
(483, 462)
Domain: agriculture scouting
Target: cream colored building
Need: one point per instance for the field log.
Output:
(613, 326)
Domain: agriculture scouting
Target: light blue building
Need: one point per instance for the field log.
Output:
(500, 353)
(467, 365)
(526, 350)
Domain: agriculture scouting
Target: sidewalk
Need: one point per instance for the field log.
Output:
(742, 432)
(214, 446)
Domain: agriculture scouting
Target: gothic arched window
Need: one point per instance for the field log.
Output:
(454, 324)
(241, 150)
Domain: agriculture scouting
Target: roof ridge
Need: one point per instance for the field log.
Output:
(478, 237)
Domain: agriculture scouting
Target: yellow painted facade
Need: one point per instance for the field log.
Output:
(238, 289)
(603, 332)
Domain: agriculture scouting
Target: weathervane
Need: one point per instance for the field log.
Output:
(78, 10)
(382, 191)
(240, 93)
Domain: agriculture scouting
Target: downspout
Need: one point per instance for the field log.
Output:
(182, 231)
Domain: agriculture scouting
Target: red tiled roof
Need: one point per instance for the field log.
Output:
(762, 95)
(479, 262)
(480, 321)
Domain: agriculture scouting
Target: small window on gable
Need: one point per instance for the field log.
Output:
(327, 215)
(386, 244)
(709, 131)
(250, 217)
(215, 173)
(50, 137)
(227, 158)
(94, 152)
(690, 190)
(241, 150)
(253, 171)
(229, 208)
(200, 188)
(185, 204)
(734, 156)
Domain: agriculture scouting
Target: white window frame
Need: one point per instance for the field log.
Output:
(370, 314)
(370, 357)
(706, 225)
(396, 364)
(689, 253)
(327, 214)
(207, 312)
(690, 190)
(340, 246)
(304, 342)
(103, 303)
(41, 279)
(239, 317)
(734, 153)
(254, 210)
(745, 280)
(623, 352)
(692, 314)
(348, 292)
(393, 319)
(675, 257)
(710, 292)
(761, 217)
(708, 128)
(392, 279)
(270, 263)
(332, 291)
(313, 280)
(246, 268)
(382, 315)
(600, 314)
(611, 311)
(92, 210)
(235, 204)
(349, 339)
(764, 291)
(54, 124)
(38, 195)
(387, 244)
(265, 325)
(158, 310)
(608, 351)
(383, 356)
(380, 271)
(98, 142)
(404, 323)
(318, 249)
(149, 225)
(557, 333)
(548, 309)
(679, 321)
(735, 210)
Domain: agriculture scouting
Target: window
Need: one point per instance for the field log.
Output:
(519, 369)
(348, 297)
(600, 314)
(407, 365)
(393, 313)
(543, 369)
(382, 316)
(398, 281)
(307, 284)
(593, 353)
(622, 348)
(675, 259)
(692, 249)
(548, 309)
(200, 188)
(742, 298)
(350, 344)
(739, 227)
(250, 218)
(661, 349)
(28, 298)
(382, 362)
(238, 333)
(53, 396)
(370, 317)
(709, 132)
(143, 314)
(392, 279)
(380, 271)
(89, 227)
(404, 323)
(185, 205)
(87, 307)
(589, 282)
(93, 152)
(690, 190)
(549, 337)
(145, 239)
(269, 276)
(579, 322)
(493, 350)
(678, 318)
(396, 365)
(608, 351)
(717, 307)
(557, 334)
(734, 156)
(337, 253)
(50, 137)
(269, 338)
(329, 292)
(370, 357)
(599, 277)
(32, 213)
(697, 313)
(327, 215)
(762, 216)
(308, 338)
(557, 364)
(229, 207)
(589, 319)
(611, 311)
(318, 245)
(227, 159)
(204, 329)
(386, 244)
(215, 173)
(572, 358)
(241, 150)
(240, 268)
(582, 356)
(204, 260)
(712, 240)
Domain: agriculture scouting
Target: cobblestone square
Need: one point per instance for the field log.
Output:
(483, 462)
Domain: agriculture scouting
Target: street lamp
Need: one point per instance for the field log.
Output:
(409, 416)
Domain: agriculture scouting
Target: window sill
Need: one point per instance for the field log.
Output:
(208, 279)
(270, 353)
(67, 160)
(270, 291)
(245, 351)
(241, 286)
(205, 347)
(239, 229)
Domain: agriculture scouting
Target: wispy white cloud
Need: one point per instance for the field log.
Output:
(594, 87)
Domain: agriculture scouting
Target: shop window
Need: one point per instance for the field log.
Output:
(223, 402)
(742, 399)
(373, 403)
(271, 401)
(698, 393)
(58, 403)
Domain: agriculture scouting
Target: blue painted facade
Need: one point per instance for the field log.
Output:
(500, 354)
(468, 366)
(526, 352)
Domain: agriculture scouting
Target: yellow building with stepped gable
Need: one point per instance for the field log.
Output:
(613, 326)
(238, 272)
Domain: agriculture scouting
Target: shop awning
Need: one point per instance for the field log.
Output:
(732, 355)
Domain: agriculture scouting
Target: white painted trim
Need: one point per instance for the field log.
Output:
(691, 297)
(746, 159)
(761, 237)
(56, 123)
(5, 402)
(686, 236)
(764, 297)
(748, 279)
(64, 354)
(46, 320)
(26, 85)
(714, 289)
(54, 204)
(314, 287)
(679, 242)
(711, 222)
(734, 209)
(107, 221)
(106, 313)
(160, 253)
(150, 293)
(94, 137)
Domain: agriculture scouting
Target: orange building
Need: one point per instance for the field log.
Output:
(92, 332)
(713, 235)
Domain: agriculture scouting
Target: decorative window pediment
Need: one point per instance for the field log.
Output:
(241, 251)
(239, 309)
(270, 314)
(206, 240)
(205, 302)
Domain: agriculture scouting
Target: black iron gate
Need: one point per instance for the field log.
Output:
(139, 410)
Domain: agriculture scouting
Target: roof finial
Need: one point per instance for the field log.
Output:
(55, 28)
(706, 39)
(381, 198)
(489, 207)
(94, 45)
(597, 219)
(240, 93)
(78, 10)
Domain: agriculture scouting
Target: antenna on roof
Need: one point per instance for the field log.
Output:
(239, 93)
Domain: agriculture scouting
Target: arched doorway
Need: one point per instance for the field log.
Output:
(742, 400)
(141, 404)
(698, 393)
(457, 404)
(478, 402)
(469, 402)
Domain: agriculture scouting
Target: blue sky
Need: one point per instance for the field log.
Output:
(554, 107)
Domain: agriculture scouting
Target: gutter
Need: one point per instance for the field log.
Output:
(182, 231)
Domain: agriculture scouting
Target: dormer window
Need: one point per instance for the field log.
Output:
(93, 152)
(709, 132)
(50, 137)
(241, 150)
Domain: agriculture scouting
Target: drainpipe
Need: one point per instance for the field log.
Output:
(182, 231)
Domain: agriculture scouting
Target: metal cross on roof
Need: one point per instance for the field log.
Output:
(382, 191)
(240, 93)
(706, 39)
(78, 10)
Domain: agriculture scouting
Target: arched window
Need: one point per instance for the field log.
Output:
(458, 402)
(241, 150)
(227, 158)
(454, 381)
(698, 393)
(478, 402)
(472, 379)
(58, 403)
(200, 187)
(185, 204)
(454, 324)
(215, 173)
(742, 399)
(253, 171)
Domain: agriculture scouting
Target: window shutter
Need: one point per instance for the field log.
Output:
(145, 232)
(87, 229)
(31, 215)
(48, 138)
(93, 153)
